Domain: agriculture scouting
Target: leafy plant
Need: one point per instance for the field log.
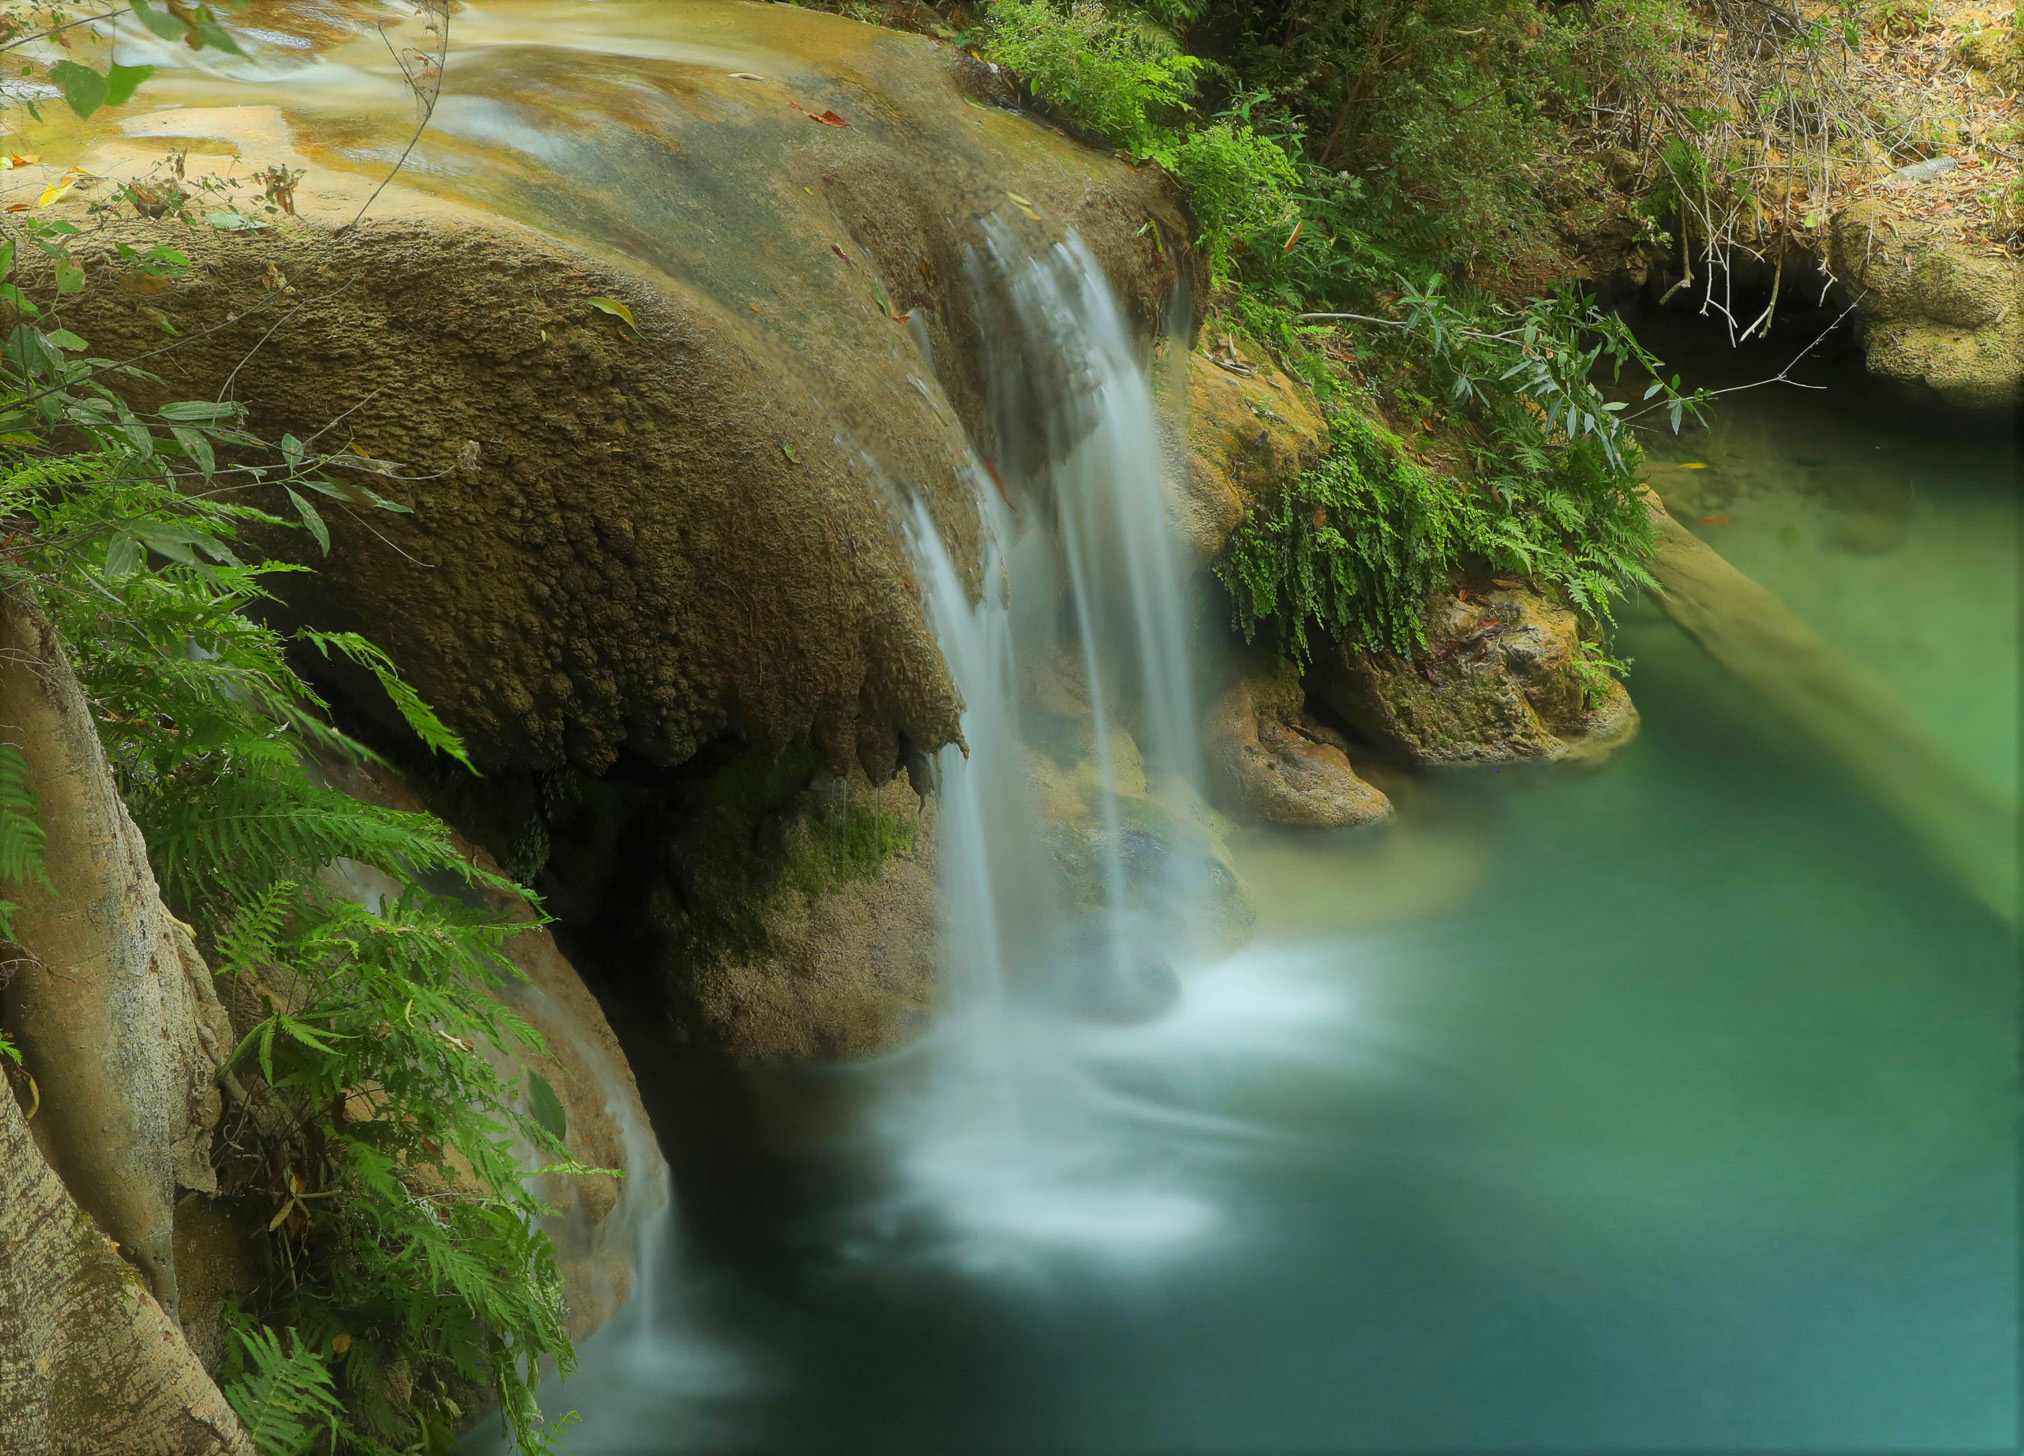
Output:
(284, 1397)
(1242, 187)
(1354, 547)
(372, 1120)
(1107, 72)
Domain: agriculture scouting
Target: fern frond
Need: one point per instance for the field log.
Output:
(22, 839)
(286, 1398)
(418, 714)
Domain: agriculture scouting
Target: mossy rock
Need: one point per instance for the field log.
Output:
(1504, 677)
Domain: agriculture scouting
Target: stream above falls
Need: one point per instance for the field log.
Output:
(1671, 1104)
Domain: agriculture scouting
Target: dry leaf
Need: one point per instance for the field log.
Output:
(1717, 520)
(616, 309)
(60, 188)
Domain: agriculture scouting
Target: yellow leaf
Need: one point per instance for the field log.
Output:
(616, 309)
(60, 188)
(281, 1217)
(1692, 465)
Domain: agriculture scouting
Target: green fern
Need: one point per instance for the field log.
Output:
(419, 715)
(22, 839)
(285, 1398)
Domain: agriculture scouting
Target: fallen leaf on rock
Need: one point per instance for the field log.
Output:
(828, 118)
(60, 188)
(744, 76)
(839, 252)
(616, 309)
(1715, 520)
(1692, 465)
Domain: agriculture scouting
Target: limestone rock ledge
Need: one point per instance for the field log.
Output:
(1934, 312)
(1500, 681)
(1250, 428)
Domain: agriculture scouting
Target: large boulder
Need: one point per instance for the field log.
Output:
(636, 538)
(1503, 678)
(1270, 762)
(663, 337)
(597, 1218)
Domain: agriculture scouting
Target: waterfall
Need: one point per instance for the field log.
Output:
(1071, 866)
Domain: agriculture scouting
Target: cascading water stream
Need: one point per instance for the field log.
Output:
(1058, 929)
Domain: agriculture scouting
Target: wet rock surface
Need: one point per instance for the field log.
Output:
(636, 539)
(1500, 681)
(1270, 762)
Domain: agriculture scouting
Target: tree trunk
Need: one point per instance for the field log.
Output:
(113, 1010)
(90, 1363)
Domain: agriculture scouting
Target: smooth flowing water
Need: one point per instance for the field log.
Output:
(1669, 1105)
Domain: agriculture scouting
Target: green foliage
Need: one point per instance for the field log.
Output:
(1110, 73)
(373, 1120)
(1242, 188)
(400, 1202)
(284, 1397)
(21, 834)
(1354, 547)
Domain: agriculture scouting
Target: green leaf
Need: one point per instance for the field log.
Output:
(217, 37)
(418, 714)
(197, 448)
(160, 22)
(120, 82)
(69, 276)
(232, 222)
(311, 520)
(546, 1107)
(122, 554)
(65, 339)
(84, 90)
(200, 411)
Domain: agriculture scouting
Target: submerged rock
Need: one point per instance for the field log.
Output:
(1268, 763)
(1501, 680)
(1869, 533)
(1144, 991)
